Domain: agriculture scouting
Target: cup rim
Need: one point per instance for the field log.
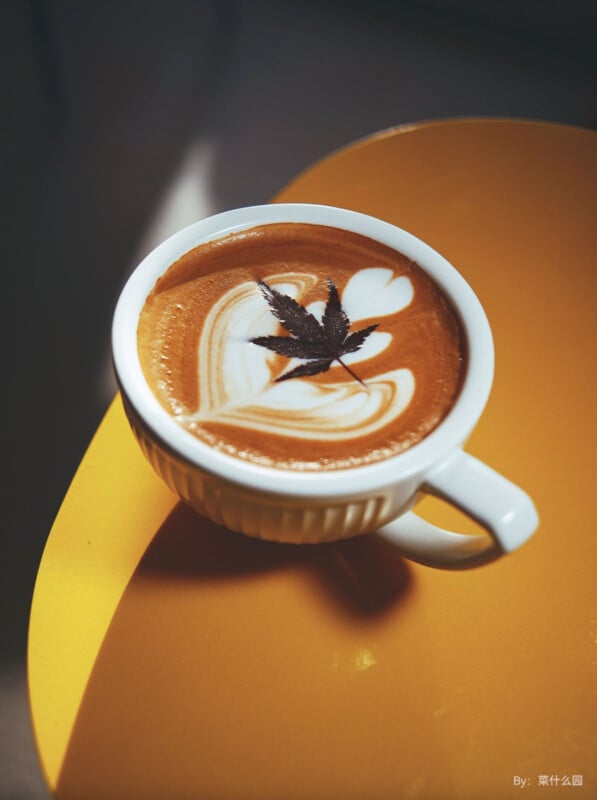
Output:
(433, 448)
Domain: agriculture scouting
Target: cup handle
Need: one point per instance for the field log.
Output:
(507, 513)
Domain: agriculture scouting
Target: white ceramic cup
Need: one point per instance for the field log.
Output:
(297, 506)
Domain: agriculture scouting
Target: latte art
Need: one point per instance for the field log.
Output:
(240, 376)
(221, 359)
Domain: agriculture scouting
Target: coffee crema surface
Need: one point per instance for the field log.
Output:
(196, 345)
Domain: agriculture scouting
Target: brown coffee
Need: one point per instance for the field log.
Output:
(302, 346)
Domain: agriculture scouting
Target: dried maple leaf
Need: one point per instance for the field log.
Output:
(318, 343)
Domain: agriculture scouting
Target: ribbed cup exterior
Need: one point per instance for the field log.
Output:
(256, 512)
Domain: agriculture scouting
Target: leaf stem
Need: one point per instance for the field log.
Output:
(350, 372)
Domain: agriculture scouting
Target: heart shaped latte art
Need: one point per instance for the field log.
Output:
(375, 292)
(236, 381)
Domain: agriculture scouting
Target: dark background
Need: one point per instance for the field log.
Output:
(124, 121)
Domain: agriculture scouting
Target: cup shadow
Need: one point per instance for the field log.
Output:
(215, 627)
(364, 576)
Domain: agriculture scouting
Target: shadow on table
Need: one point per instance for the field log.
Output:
(364, 576)
(219, 638)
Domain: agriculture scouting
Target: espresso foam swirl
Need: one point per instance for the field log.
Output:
(236, 378)
(194, 343)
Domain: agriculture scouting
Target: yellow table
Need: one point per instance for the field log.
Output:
(169, 658)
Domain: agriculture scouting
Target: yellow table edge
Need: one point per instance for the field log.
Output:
(58, 670)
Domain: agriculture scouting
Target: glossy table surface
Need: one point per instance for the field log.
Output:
(171, 658)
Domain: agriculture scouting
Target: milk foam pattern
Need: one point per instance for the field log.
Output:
(236, 377)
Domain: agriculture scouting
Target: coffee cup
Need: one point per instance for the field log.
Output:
(315, 498)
